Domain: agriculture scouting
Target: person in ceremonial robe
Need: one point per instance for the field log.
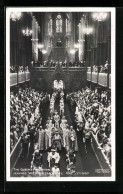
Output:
(47, 137)
(25, 127)
(55, 171)
(57, 140)
(36, 111)
(56, 119)
(63, 125)
(72, 140)
(41, 138)
(51, 125)
(54, 130)
(61, 108)
(52, 108)
(36, 164)
(53, 158)
(63, 119)
(66, 137)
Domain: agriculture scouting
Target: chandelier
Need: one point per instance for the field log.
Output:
(76, 45)
(40, 46)
(72, 51)
(44, 51)
(88, 30)
(15, 16)
(34, 39)
(27, 32)
(99, 16)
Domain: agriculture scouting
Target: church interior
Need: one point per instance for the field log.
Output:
(60, 94)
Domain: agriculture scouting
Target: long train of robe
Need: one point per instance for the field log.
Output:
(71, 145)
(65, 132)
(41, 140)
(47, 138)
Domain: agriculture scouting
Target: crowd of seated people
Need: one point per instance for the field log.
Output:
(25, 112)
(13, 69)
(93, 114)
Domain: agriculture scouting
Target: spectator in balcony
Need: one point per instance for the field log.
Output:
(12, 69)
(106, 66)
(102, 70)
(95, 69)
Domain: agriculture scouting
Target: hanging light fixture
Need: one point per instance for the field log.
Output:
(76, 45)
(27, 32)
(44, 51)
(34, 40)
(99, 16)
(40, 46)
(88, 30)
(72, 51)
(15, 16)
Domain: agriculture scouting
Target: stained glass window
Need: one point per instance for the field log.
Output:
(66, 26)
(50, 27)
(58, 24)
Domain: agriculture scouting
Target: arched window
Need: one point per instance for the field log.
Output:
(50, 27)
(67, 26)
(58, 24)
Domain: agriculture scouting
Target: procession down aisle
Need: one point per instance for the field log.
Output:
(85, 163)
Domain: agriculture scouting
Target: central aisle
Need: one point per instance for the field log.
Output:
(78, 164)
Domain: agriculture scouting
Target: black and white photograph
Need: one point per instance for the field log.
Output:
(60, 94)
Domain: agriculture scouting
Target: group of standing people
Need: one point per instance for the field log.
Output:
(25, 114)
(93, 117)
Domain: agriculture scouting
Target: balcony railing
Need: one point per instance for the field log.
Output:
(102, 79)
(94, 77)
(110, 81)
(89, 76)
(53, 68)
(88, 69)
(27, 76)
(99, 78)
(22, 77)
(13, 79)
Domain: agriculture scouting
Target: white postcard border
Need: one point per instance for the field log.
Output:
(59, 9)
